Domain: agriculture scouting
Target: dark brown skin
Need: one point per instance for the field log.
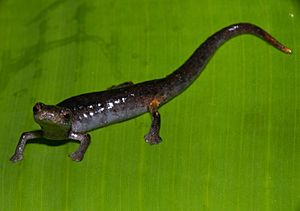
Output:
(74, 117)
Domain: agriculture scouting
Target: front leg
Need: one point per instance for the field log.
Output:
(84, 140)
(153, 136)
(22, 142)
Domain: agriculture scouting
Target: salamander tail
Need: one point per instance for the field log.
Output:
(181, 78)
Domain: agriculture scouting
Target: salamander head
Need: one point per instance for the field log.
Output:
(53, 119)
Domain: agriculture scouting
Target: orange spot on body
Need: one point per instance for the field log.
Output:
(154, 103)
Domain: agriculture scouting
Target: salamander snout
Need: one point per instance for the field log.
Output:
(37, 107)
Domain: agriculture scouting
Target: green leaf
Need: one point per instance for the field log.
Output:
(230, 142)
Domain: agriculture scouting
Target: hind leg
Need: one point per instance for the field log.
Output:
(153, 136)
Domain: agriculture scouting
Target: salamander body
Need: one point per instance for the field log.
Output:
(74, 117)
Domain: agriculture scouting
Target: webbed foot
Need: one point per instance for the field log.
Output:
(16, 158)
(152, 138)
(76, 156)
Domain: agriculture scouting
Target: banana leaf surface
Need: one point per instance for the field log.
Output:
(231, 141)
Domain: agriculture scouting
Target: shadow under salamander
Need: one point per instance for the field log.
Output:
(53, 143)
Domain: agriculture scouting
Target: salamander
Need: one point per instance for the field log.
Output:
(74, 117)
